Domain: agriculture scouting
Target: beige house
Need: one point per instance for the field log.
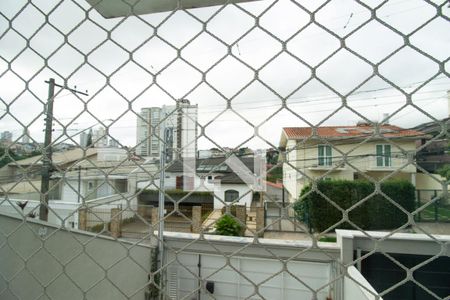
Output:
(347, 152)
(93, 173)
(31, 167)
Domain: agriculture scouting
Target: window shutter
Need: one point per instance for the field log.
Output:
(321, 155)
(387, 155)
(328, 155)
(379, 155)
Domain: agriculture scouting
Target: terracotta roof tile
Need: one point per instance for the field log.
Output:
(388, 131)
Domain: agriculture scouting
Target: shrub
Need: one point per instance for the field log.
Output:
(227, 225)
(376, 212)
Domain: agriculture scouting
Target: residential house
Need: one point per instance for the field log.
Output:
(110, 172)
(89, 180)
(104, 178)
(320, 154)
(28, 172)
(212, 175)
(433, 155)
(436, 152)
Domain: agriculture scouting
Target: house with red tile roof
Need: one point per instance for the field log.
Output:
(364, 150)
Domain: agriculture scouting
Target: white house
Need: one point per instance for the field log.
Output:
(212, 175)
(347, 152)
(99, 176)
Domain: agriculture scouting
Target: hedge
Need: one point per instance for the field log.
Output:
(373, 214)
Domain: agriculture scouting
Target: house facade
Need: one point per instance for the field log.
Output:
(434, 154)
(347, 152)
(211, 175)
(109, 172)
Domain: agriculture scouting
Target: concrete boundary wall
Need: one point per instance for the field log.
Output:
(71, 264)
(403, 243)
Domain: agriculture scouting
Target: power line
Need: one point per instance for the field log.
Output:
(304, 111)
(318, 98)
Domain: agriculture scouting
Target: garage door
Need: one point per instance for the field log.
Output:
(245, 278)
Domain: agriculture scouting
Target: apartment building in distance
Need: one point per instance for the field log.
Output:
(181, 122)
(6, 137)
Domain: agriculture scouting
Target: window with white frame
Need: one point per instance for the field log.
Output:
(324, 155)
(384, 156)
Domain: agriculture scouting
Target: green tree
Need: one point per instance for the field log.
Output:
(6, 157)
(445, 171)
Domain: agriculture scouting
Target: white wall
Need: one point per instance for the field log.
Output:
(100, 188)
(244, 191)
(70, 190)
(357, 287)
(59, 212)
(427, 182)
(290, 175)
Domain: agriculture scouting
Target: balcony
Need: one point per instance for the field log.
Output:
(335, 167)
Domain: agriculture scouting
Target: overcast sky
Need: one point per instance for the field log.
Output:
(33, 51)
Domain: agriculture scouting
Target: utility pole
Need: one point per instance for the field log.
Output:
(179, 127)
(162, 175)
(79, 184)
(47, 152)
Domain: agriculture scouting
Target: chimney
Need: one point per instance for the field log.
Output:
(385, 119)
